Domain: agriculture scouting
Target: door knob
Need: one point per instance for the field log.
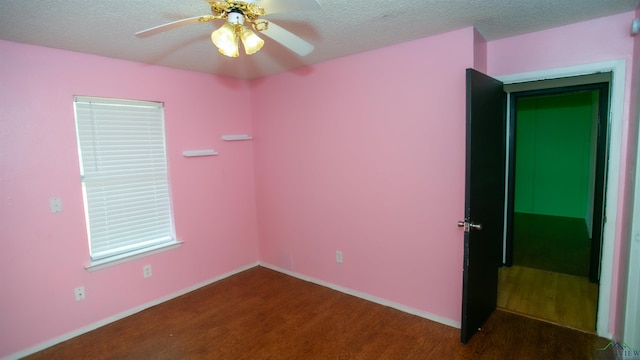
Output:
(467, 225)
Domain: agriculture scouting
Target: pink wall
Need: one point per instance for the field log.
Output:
(593, 41)
(43, 255)
(634, 114)
(365, 154)
(582, 43)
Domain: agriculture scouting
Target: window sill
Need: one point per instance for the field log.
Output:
(119, 259)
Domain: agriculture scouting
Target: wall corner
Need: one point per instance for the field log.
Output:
(479, 51)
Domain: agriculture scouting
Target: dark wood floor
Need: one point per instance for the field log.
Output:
(262, 314)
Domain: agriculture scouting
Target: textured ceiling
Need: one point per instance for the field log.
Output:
(340, 28)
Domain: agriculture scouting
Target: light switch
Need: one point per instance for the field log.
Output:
(55, 204)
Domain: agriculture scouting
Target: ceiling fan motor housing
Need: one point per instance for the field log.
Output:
(235, 18)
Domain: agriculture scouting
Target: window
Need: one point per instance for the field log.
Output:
(124, 177)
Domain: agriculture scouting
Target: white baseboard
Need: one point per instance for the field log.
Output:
(397, 306)
(123, 315)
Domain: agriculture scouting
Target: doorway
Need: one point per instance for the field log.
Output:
(555, 207)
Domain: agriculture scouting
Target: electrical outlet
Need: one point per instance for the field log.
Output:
(79, 293)
(146, 271)
(339, 257)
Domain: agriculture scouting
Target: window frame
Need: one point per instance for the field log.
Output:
(145, 159)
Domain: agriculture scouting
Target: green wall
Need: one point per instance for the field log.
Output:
(555, 154)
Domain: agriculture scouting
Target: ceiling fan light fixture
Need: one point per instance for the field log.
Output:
(226, 39)
(252, 42)
(235, 13)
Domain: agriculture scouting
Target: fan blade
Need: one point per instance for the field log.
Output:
(172, 25)
(277, 6)
(288, 39)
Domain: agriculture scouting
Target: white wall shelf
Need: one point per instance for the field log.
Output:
(204, 152)
(236, 137)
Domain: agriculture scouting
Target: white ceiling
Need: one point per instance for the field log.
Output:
(340, 28)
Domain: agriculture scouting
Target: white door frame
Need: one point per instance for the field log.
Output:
(617, 68)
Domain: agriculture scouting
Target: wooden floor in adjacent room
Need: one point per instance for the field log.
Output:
(563, 299)
(263, 314)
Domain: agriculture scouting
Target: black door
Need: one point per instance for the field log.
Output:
(484, 199)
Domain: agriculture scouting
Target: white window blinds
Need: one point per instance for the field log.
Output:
(124, 175)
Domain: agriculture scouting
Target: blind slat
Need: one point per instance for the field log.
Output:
(129, 239)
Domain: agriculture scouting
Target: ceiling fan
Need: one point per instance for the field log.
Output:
(235, 14)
